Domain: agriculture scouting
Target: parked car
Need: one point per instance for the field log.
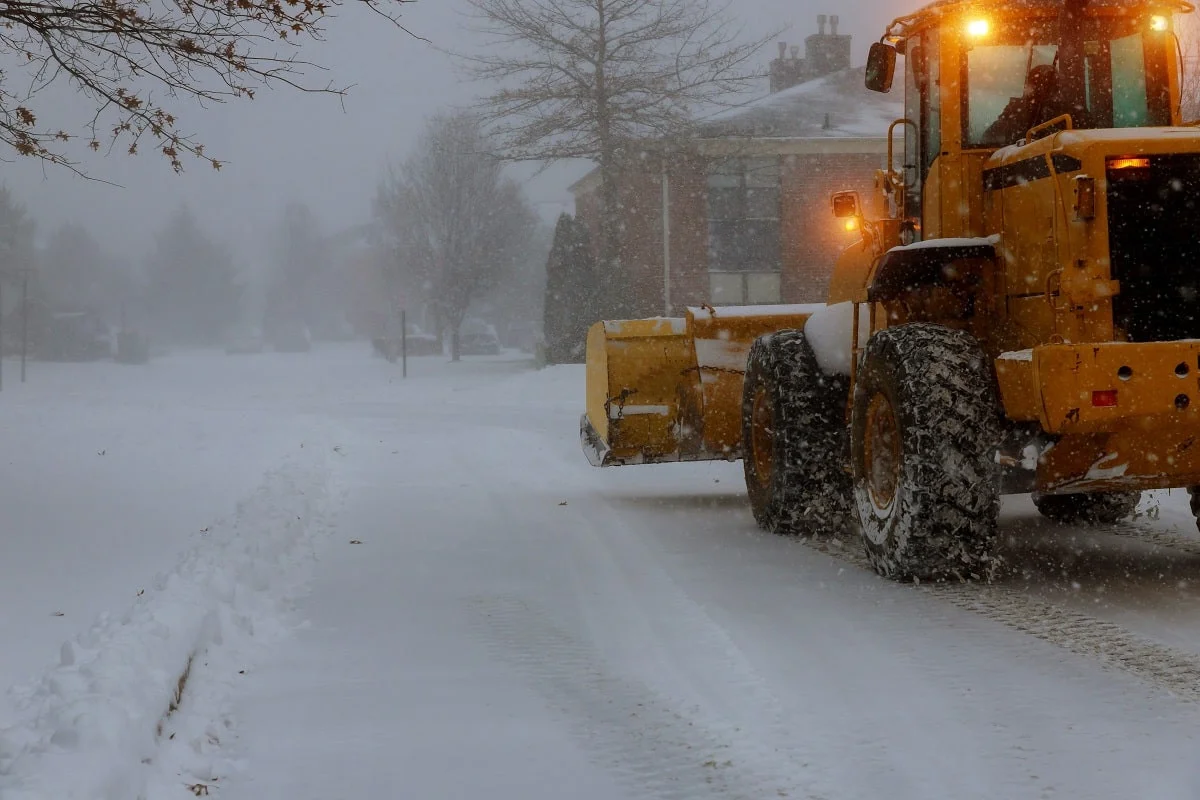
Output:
(416, 343)
(420, 343)
(291, 339)
(476, 338)
(244, 341)
(523, 336)
(75, 336)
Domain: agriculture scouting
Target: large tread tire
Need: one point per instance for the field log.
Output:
(1093, 508)
(934, 386)
(802, 430)
(1194, 502)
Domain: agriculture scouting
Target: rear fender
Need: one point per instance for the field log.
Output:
(935, 262)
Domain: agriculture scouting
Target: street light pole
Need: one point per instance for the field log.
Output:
(1, 333)
(24, 319)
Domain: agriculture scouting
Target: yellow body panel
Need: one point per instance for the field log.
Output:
(635, 369)
(670, 389)
(1144, 441)
(1151, 380)
(1158, 452)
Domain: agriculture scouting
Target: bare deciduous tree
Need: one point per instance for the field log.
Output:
(454, 223)
(584, 78)
(116, 52)
(1188, 32)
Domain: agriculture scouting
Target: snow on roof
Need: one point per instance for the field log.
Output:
(800, 112)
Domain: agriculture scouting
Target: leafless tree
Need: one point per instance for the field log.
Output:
(586, 78)
(117, 53)
(454, 223)
(1188, 33)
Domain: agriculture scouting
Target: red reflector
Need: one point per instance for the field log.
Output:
(1104, 398)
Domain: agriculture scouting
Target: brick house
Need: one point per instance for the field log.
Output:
(744, 201)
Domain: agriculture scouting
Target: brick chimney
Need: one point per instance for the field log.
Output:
(823, 53)
(826, 52)
(787, 70)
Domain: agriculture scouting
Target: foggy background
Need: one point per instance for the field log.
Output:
(284, 147)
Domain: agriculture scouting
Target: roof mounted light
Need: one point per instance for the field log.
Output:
(978, 27)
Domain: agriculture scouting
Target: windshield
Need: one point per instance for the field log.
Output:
(1015, 81)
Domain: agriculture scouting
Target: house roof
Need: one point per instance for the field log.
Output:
(835, 106)
(794, 121)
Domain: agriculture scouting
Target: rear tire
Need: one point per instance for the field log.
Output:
(1094, 508)
(924, 432)
(1194, 502)
(794, 438)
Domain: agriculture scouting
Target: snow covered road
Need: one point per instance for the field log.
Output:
(488, 616)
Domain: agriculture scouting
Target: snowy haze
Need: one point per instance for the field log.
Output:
(284, 147)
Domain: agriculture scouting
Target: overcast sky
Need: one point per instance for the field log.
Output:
(284, 146)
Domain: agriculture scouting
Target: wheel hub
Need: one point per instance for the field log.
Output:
(761, 418)
(881, 452)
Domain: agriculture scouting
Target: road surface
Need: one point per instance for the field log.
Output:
(476, 612)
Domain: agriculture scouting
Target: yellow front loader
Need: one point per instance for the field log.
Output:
(1020, 314)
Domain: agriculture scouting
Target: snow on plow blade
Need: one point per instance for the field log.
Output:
(670, 388)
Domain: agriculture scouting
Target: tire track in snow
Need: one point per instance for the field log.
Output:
(1131, 530)
(617, 563)
(1176, 671)
(728, 696)
(651, 746)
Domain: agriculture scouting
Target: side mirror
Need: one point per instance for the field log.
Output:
(845, 204)
(881, 67)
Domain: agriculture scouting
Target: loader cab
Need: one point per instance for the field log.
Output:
(979, 77)
(921, 124)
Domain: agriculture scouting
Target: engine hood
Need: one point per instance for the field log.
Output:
(1090, 147)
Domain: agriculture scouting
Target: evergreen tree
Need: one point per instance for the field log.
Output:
(193, 291)
(572, 292)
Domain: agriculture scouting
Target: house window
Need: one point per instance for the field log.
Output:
(743, 230)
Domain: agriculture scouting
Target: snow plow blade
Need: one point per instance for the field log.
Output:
(670, 388)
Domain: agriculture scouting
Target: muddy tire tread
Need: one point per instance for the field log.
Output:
(811, 492)
(951, 421)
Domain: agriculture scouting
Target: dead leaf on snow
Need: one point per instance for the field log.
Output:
(563, 503)
(356, 541)
(199, 789)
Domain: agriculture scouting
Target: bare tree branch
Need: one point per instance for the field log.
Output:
(1188, 33)
(588, 78)
(452, 221)
(116, 52)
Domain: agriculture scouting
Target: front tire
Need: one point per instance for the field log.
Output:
(925, 427)
(1095, 508)
(794, 444)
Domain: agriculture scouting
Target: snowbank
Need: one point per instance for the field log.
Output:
(115, 718)
(741, 312)
(961, 241)
(829, 332)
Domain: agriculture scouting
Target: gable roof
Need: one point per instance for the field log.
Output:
(802, 111)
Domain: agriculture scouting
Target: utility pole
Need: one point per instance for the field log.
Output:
(1, 332)
(24, 319)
